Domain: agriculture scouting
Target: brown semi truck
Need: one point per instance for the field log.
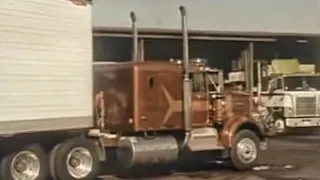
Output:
(154, 111)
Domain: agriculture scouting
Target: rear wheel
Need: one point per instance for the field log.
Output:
(75, 159)
(245, 150)
(30, 163)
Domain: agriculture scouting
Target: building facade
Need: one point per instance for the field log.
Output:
(288, 17)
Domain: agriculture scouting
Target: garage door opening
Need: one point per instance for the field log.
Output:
(219, 54)
(112, 49)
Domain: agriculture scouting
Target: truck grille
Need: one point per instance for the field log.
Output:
(306, 106)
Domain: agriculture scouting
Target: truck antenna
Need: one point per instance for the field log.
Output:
(135, 36)
(187, 102)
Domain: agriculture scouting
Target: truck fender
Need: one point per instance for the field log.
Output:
(232, 126)
(95, 135)
(100, 149)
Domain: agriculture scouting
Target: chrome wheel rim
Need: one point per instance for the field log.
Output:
(247, 150)
(25, 166)
(79, 162)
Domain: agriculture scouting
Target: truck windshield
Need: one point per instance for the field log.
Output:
(302, 83)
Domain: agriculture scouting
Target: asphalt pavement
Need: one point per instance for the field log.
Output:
(292, 157)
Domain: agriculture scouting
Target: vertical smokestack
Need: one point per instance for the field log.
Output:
(185, 40)
(250, 65)
(187, 101)
(135, 36)
(259, 79)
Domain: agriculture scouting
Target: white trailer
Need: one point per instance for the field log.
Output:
(46, 90)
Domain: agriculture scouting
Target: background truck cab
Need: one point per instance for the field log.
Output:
(292, 95)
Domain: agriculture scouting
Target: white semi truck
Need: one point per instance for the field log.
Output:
(290, 91)
(292, 96)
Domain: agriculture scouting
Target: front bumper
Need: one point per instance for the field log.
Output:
(303, 122)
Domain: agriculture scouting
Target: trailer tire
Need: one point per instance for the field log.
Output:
(13, 163)
(245, 150)
(74, 159)
(52, 155)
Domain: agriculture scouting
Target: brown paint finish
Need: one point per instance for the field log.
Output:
(147, 96)
(200, 109)
(115, 81)
(158, 98)
(237, 112)
(139, 96)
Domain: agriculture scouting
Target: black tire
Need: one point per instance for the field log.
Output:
(52, 155)
(59, 155)
(238, 162)
(36, 150)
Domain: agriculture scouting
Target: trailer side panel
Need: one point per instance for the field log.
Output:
(45, 65)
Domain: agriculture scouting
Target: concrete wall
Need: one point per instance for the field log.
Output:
(269, 16)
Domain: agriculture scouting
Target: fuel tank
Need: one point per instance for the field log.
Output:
(140, 150)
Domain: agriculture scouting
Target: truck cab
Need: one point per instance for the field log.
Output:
(293, 101)
(291, 94)
(144, 105)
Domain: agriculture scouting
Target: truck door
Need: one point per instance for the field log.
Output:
(199, 99)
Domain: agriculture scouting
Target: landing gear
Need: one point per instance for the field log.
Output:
(30, 163)
(73, 159)
(245, 150)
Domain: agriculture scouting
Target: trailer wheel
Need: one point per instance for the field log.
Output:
(245, 150)
(30, 163)
(74, 159)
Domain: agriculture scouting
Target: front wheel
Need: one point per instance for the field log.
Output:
(245, 150)
(74, 159)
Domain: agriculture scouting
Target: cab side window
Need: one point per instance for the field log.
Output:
(198, 82)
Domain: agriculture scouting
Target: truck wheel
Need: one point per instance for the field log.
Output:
(74, 159)
(245, 150)
(280, 126)
(52, 155)
(30, 163)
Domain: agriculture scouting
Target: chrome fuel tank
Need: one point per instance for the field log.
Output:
(139, 150)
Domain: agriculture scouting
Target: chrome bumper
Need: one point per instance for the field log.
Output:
(303, 122)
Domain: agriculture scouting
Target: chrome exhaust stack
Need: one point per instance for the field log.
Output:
(186, 89)
(135, 36)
